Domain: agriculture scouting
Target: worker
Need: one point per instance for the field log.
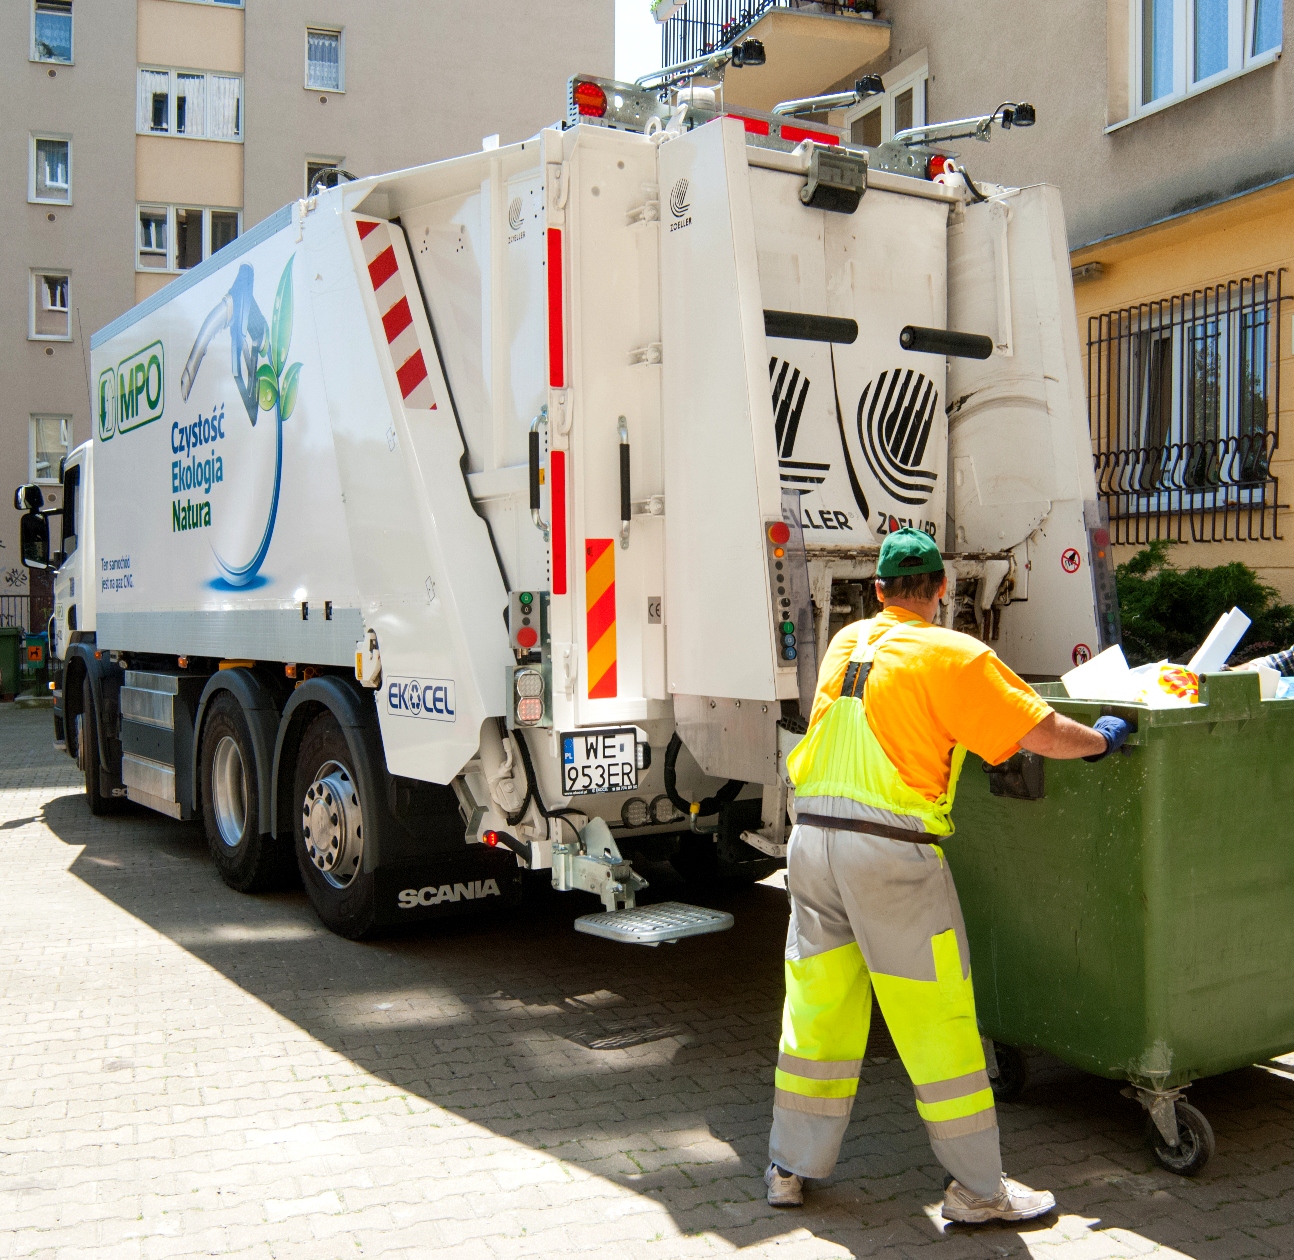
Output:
(873, 906)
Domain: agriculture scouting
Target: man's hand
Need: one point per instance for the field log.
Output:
(1065, 740)
(1115, 730)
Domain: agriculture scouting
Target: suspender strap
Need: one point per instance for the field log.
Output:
(855, 677)
(865, 828)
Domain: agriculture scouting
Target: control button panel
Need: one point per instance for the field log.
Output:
(528, 621)
(777, 534)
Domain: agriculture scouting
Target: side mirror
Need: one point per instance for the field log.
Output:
(28, 498)
(34, 540)
(750, 52)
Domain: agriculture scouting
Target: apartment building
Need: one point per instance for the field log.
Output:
(1168, 126)
(142, 135)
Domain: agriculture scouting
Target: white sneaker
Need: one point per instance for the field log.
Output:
(784, 1189)
(1013, 1202)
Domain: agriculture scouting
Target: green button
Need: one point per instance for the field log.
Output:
(788, 627)
(527, 597)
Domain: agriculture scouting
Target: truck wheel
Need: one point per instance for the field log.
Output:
(87, 747)
(329, 824)
(1012, 1073)
(1195, 1142)
(247, 860)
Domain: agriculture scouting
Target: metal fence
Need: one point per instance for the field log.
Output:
(1184, 405)
(701, 26)
(15, 610)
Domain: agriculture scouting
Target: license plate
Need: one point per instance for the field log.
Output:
(600, 761)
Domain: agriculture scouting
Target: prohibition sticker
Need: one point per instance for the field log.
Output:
(1081, 653)
(1069, 561)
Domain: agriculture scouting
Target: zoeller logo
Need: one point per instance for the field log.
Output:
(514, 214)
(134, 393)
(790, 393)
(678, 203)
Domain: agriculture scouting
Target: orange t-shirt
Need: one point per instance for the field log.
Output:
(930, 689)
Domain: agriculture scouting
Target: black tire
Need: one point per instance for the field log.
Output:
(724, 857)
(1195, 1142)
(247, 860)
(326, 801)
(99, 801)
(1012, 1073)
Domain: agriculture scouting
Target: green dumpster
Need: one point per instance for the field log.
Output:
(11, 658)
(1135, 918)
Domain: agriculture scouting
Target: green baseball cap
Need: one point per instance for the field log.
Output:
(908, 551)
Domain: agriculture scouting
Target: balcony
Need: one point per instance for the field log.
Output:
(811, 44)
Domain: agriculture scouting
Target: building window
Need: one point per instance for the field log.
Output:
(1183, 401)
(190, 103)
(322, 173)
(50, 178)
(51, 31)
(902, 106)
(50, 312)
(324, 60)
(1186, 46)
(175, 238)
(48, 445)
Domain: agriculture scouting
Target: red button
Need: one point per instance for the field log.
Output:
(779, 532)
(526, 637)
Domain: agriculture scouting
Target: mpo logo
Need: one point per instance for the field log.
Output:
(421, 698)
(133, 393)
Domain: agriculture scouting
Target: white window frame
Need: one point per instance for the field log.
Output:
(340, 32)
(32, 55)
(32, 159)
(913, 73)
(33, 423)
(143, 126)
(1240, 61)
(171, 241)
(35, 290)
(313, 159)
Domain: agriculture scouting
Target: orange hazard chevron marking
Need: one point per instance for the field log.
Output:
(600, 600)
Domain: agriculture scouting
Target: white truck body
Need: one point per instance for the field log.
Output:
(311, 456)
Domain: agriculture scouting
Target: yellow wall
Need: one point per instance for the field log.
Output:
(1243, 237)
(190, 36)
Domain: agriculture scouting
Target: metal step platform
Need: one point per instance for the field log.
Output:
(650, 925)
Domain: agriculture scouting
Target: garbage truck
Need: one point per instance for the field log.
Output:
(490, 516)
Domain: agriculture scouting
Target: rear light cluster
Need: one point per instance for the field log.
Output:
(778, 534)
(589, 98)
(530, 686)
(636, 812)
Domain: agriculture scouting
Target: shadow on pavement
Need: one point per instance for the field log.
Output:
(618, 1058)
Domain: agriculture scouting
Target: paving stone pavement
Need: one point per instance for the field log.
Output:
(185, 1071)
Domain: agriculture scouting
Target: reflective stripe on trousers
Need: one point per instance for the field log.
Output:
(871, 914)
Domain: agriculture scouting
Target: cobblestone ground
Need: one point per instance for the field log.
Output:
(185, 1071)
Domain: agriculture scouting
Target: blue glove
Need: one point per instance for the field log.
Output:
(1115, 730)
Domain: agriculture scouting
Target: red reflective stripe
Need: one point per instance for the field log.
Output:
(798, 133)
(411, 374)
(365, 227)
(397, 319)
(756, 126)
(557, 496)
(382, 268)
(556, 330)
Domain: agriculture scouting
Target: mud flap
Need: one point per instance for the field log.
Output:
(448, 886)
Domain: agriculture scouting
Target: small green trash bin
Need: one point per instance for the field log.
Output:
(1135, 918)
(11, 660)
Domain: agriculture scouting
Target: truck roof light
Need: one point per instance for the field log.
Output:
(779, 532)
(589, 99)
(936, 164)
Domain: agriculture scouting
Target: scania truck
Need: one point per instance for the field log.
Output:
(491, 515)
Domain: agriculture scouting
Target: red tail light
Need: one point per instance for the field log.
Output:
(590, 99)
(936, 164)
(491, 838)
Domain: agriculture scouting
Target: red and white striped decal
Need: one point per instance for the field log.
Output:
(397, 318)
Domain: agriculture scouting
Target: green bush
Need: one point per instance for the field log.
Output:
(1168, 612)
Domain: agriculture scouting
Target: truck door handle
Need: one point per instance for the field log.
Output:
(625, 508)
(541, 418)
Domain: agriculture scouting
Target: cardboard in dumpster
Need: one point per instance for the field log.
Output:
(1161, 685)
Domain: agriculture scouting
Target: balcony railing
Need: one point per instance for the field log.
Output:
(701, 26)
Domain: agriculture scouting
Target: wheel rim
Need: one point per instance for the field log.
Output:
(332, 825)
(229, 791)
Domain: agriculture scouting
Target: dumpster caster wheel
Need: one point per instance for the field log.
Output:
(1012, 1073)
(1195, 1142)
